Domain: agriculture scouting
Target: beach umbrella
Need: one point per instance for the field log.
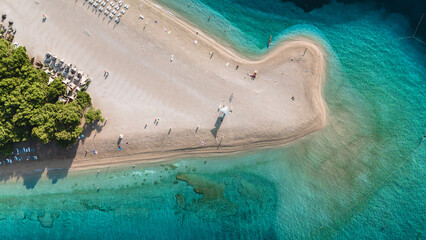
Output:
(224, 110)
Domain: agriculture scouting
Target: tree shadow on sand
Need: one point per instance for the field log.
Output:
(49, 158)
(91, 128)
(30, 159)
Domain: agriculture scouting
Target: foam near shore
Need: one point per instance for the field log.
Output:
(144, 84)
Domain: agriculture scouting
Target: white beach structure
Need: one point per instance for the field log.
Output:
(50, 80)
(223, 111)
(83, 80)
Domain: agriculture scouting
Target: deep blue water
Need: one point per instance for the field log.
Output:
(363, 176)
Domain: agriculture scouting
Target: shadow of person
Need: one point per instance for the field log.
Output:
(231, 97)
(217, 125)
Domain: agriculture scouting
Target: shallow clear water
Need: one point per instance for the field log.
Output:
(363, 176)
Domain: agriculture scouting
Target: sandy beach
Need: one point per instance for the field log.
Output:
(144, 84)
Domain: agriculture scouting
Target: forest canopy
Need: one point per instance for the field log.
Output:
(29, 106)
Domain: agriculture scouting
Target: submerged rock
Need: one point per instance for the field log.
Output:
(33, 216)
(213, 203)
(47, 219)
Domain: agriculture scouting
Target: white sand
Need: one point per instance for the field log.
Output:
(143, 84)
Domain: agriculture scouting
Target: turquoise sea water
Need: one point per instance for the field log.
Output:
(362, 177)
